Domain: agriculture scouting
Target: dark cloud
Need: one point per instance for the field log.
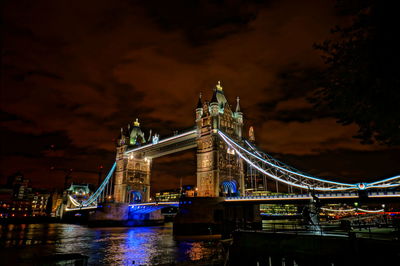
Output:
(75, 72)
(349, 165)
(20, 144)
(203, 21)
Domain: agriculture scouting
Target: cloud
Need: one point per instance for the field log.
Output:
(313, 137)
(74, 73)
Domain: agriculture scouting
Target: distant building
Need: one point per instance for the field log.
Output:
(189, 191)
(6, 199)
(175, 194)
(19, 200)
(11, 206)
(80, 192)
(20, 186)
(56, 204)
(168, 195)
(40, 201)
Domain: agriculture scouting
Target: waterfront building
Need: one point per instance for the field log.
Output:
(20, 185)
(11, 206)
(41, 205)
(168, 195)
(56, 203)
(175, 194)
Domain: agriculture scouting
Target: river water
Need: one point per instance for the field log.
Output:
(104, 246)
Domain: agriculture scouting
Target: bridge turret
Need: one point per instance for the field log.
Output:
(215, 166)
(214, 111)
(252, 137)
(136, 134)
(239, 119)
(199, 109)
(132, 173)
(122, 144)
(214, 104)
(123, 138)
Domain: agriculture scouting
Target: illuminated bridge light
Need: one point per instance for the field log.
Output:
(162, 141)
(295, 182)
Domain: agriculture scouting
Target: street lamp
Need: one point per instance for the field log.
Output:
(358, 216)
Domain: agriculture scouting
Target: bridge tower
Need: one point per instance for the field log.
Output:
(132, 173)
(219, 171)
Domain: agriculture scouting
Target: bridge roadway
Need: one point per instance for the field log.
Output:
(177, 143)
(336, 197)
(371, 197)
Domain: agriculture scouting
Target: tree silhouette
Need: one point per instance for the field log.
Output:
(362, 80)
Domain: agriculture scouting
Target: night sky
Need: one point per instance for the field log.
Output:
(74, 72)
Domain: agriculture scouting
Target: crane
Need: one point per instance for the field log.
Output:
(68, 172)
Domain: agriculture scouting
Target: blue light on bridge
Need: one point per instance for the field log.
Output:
(229, 188)
(136, 196)
(343, 186)
(361, 186)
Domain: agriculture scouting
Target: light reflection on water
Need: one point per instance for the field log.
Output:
(117, 246)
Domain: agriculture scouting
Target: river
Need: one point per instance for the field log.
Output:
(21, 243)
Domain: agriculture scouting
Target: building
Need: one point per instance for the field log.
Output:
(219, 171)
(176, 194)
(80, 192)
(41, 204)
(20, 186)
(6, 199)
(19, 200)
(132, 175)
(168, 195)
(11, 206)
(56, 204)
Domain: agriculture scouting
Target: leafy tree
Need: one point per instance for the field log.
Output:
(361, 82)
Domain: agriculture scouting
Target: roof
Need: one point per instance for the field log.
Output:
(199, 103)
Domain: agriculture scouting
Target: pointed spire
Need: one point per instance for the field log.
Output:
(136, 123)
(218, 86)
(199, 103)
(214, 97)
(237, 105)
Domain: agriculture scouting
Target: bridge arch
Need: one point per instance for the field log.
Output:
(135, 196)
(229, 188)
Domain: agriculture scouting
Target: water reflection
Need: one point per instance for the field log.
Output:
(121, 246)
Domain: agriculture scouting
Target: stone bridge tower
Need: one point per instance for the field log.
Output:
(132, 174)
(219, 171)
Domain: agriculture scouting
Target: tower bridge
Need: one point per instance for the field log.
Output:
(228, 165)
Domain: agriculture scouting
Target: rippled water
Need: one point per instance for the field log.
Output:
(116, 246)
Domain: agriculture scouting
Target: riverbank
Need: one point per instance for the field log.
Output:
(30, 220)
(307, 248)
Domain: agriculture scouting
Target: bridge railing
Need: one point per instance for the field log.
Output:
(395, 194)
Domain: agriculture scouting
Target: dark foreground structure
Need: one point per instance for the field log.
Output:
(212, 216)
(269, 248)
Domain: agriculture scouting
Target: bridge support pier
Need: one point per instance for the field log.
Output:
(132, 177)
(121, 214)
(213, 216)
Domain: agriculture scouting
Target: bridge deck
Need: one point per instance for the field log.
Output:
(370, 196)
(177, 143)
